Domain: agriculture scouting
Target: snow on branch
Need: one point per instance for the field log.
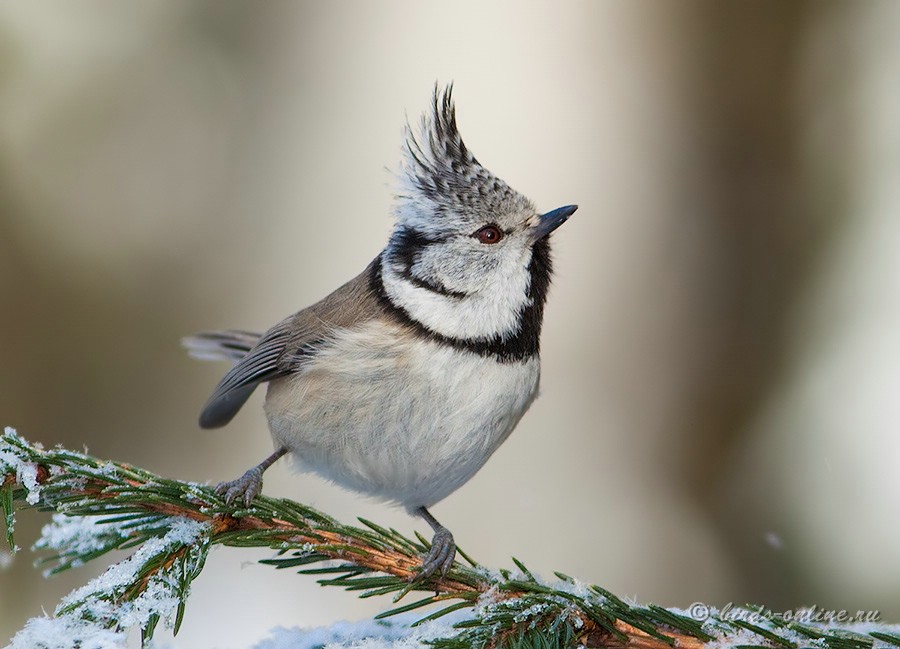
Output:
(102, 506)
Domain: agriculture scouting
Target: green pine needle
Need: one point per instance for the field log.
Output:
(133, 509)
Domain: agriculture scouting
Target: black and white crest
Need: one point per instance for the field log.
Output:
(440, 176)
(467, 264)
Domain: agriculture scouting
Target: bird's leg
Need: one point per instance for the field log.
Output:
(248, 485)
(443, 548)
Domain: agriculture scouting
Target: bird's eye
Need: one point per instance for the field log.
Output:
(489, 234)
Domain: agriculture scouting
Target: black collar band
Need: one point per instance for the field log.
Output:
(519, 347)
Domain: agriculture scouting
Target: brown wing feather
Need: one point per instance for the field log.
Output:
(285, 347)
(231, 345)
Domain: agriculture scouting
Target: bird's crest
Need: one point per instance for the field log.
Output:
(439, 176)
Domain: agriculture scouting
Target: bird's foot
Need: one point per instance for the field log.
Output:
(247, 487)
(441, 555)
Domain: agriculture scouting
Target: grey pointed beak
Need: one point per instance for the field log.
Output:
(551, 220)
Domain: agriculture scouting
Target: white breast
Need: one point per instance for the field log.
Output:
(398, 417)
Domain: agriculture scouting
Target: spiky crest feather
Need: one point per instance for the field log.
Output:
(440, 176)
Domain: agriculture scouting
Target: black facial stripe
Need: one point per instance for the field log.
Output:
(520, 347)
(434, 287)
(406, 244)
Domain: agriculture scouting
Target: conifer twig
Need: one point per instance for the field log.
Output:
(103, 506)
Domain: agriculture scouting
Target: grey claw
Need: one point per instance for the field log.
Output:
(441, 555)
(248, 485)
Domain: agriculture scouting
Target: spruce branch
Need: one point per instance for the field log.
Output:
(102, 506)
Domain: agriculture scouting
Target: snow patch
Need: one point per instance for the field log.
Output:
(26, 472)
(392, 633)
(66, 632)
(161, 594)
(81, 616)
(77, 535)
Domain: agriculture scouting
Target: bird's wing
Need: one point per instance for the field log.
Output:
(282, 349)
(220, 345)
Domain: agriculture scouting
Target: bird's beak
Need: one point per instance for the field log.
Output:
(548, 222)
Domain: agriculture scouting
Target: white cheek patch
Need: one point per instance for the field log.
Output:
(491, 310)
(461, 266)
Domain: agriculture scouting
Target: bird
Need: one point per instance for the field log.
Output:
(402, 383)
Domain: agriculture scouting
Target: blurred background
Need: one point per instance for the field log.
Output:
(719, 408)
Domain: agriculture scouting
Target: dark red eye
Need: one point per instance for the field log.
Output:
(489, 234)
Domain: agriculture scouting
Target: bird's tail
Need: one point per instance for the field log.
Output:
(220, 345)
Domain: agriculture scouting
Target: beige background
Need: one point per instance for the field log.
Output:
(719, 411)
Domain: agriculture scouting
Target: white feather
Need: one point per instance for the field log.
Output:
(396, 416)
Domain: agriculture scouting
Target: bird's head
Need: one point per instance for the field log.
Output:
(469, 255)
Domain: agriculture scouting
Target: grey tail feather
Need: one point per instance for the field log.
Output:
(220, 345)
(218, 412)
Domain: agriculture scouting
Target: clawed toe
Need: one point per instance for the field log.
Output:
(247, 487)
(441, 555)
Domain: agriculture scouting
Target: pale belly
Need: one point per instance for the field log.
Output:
(405, 422)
